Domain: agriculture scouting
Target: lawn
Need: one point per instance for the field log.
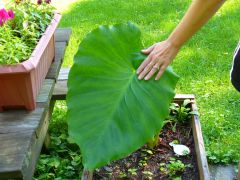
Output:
(203, 63)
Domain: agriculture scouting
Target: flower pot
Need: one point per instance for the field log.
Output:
(20, 83)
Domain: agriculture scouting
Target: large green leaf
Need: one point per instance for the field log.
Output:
(110, 112)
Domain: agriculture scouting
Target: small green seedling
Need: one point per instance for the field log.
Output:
(122, 175)
(180, 113)
(173, 167)
(133, 171)
(142, 163)
(176, 166)
(148, 174)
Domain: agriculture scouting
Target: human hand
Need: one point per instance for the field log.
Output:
(160, 55)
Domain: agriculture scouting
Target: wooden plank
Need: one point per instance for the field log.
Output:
(60, 90)
(182, 97)
(87, 175)
(53, 72)
(34, 151)
(13, 152)
(63, 74)
(199, 146)
(18, 121)
(197, 135)
(63, 34)
(45, 93)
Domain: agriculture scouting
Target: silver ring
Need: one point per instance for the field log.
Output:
(154, 67)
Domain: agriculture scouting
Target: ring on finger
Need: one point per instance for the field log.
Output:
(156, 67)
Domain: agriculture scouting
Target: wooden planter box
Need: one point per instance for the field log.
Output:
(21, 83)
(198, 140)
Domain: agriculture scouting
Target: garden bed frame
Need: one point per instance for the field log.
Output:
(60, 92)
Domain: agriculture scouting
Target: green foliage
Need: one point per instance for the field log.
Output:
(203, 63)
(173, 167)
(111, 113)
(153, 141)
(19, 36)
(180, 113)
(63, 159)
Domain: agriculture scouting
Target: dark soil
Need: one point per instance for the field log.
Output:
(146, 163)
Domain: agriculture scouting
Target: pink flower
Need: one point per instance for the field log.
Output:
(10, 14)
(3, 16)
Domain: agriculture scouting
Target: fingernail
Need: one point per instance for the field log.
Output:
(139, 77)
(146, 78)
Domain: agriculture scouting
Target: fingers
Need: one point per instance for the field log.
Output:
(150, 70)
(151, 73)
(148, 50)
(160, 72)
(155, 68)
(144, 64)
(145, 71)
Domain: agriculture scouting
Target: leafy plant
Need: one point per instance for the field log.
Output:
(180, 113)
(173, 167)
(21, 28)
(63, 159)
(110, 112)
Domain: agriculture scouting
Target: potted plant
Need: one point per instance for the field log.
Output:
(111, 114)
(27, 49)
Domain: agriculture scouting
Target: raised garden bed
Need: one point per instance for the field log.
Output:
(161, 162)
(21, 83)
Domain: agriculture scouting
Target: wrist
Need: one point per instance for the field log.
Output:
(174, 43)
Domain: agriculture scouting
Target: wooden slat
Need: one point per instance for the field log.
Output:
(45, 93)
(13, 153)
(53, 72)
(60, 90)
(199, 146)
(63, 34)
(87, 175)
(63, 74)
(35, 149)
(20, 120)
(203, 169)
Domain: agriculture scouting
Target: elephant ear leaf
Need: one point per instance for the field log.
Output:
(110, 112)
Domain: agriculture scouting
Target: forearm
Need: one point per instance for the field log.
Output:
(197, 15)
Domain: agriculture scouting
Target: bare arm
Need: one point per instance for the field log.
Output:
(161, 54)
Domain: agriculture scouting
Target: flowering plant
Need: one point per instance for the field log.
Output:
(22, 24)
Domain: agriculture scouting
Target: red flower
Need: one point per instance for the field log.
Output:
(48, 1)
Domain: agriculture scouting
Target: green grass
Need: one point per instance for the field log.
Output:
(203, 63)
